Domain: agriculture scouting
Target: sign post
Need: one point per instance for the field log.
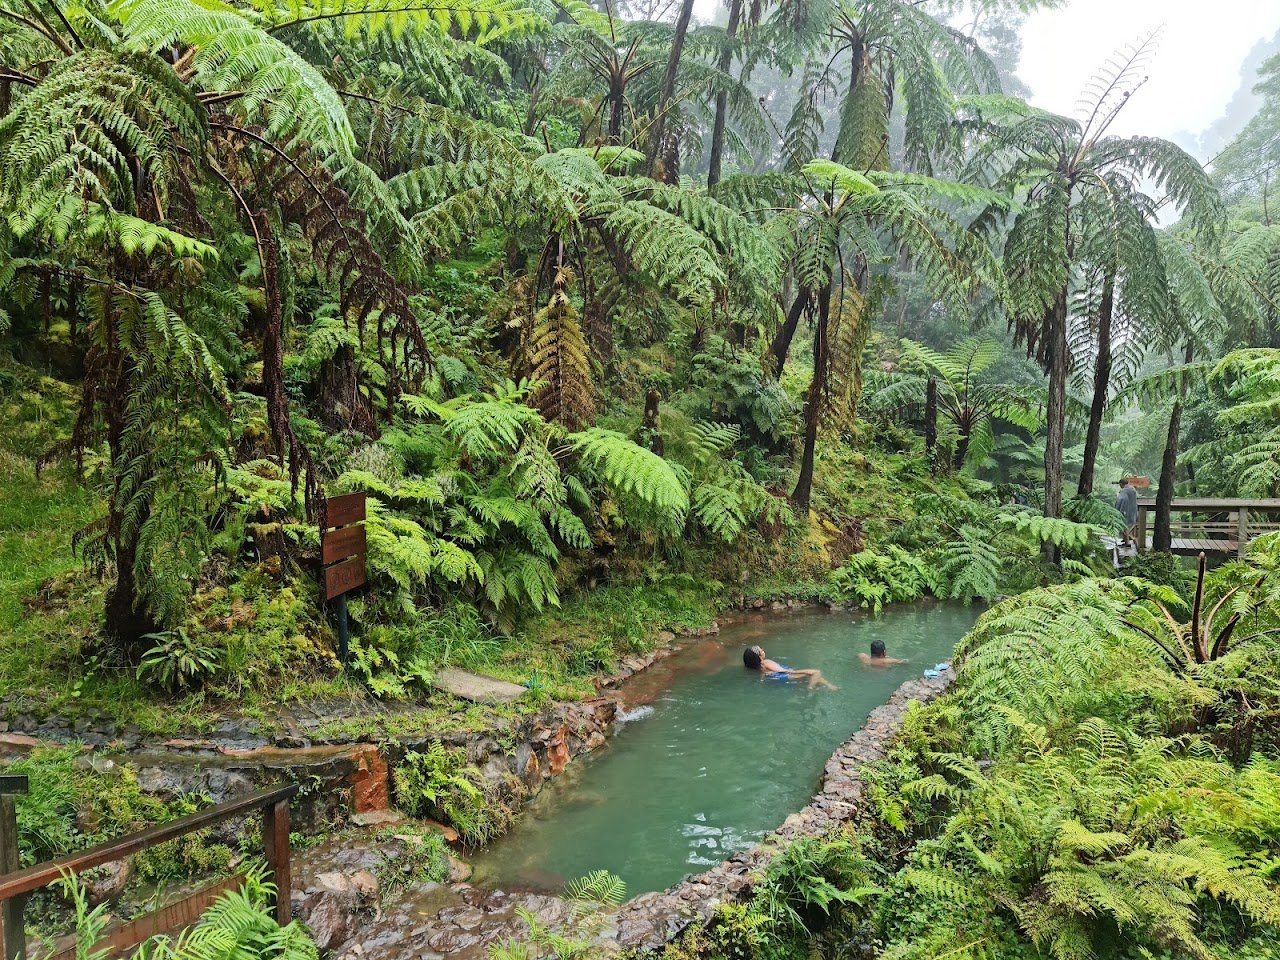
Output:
(342, 552)
(15, 935)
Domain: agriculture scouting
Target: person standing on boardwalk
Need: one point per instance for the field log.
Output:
(1127, 504)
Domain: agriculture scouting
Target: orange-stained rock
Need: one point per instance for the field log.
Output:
(532, 772)
(558, 752)
(369, 785)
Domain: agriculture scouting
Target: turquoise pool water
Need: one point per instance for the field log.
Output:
(713, 756)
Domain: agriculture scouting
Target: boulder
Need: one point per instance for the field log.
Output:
(104, 884)
(330, 907)
(459, 870)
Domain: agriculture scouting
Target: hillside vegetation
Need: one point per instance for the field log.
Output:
(619, 320)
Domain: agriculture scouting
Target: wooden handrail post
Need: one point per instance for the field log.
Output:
(11, 910)
(275, 841)
(1242, 532)
(1142, 530)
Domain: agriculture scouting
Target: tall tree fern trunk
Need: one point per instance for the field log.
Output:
(342, 405)
(1101, 385)
(781, 344)
(665, 98)
(126, 617)
(930, 418)
(1057, 359)
(803, 492)
(724, 63)
(617, 107)
(962, 447)
(1162, 537)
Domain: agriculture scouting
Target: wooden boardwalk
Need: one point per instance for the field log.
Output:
(1211, 524)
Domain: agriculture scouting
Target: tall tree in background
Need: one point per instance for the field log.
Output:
(1055, 166)
(849, 222)
(658, 125)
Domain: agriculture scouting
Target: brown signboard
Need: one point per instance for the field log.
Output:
(344, 510)
(339, 544)
(344, 576)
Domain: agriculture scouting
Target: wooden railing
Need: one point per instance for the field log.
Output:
(1209, 524)
(16, 885)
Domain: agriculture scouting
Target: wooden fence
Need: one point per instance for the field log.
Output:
(16, 885)
(1209, 524)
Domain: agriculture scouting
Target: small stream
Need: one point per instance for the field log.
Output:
(711, 757)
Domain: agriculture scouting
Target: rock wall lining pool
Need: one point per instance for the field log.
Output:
(652, 919)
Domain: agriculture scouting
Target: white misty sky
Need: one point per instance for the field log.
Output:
(1192, 75)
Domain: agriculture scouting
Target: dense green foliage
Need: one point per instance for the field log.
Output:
(239, 924)
(618, 321)
(1084, 791)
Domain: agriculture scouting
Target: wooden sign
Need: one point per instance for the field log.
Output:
(345, 510)
(342, 543)
(343, 577)
(13, 783)
(1139, 483)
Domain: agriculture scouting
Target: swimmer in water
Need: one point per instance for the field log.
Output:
(876, 657)
(754, 659)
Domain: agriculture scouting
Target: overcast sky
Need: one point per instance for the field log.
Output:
(1192, 75)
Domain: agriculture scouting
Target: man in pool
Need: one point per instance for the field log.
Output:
(754, 659)
(876, 657)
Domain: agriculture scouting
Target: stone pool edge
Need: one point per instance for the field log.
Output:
(651, 920)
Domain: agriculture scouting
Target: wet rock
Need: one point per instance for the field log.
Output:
(459, 870)
(528, 767)
(451, 941)
(370, 783)
(377, 818)
(558, 752)
(366, 885)
(104, 884)
(159, 781)
(330, 907)
(331, 922)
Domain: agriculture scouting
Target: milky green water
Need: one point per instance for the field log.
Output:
(715, 757)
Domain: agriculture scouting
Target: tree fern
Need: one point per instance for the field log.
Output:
(558, 360)
(633, 470)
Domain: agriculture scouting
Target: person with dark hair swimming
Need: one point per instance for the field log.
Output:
(876, 657)
(753, 658)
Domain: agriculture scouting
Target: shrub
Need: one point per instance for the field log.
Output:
(871, 578)
(438, 783)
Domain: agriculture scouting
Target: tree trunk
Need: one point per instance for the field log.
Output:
(1101, 384)
(342, 405)
(617, 108)
(962, 447)
(803, 492)
(127, 618)
(658, 127)
(1162, 537)
(1056, 412)
(649, 428)
(722, 98)
(781, 344)
(930, 418)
